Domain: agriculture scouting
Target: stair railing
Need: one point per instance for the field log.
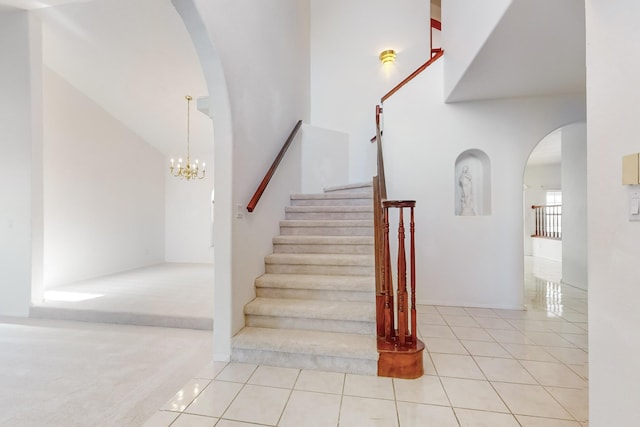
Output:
(400, 349)
(548, 221)
(272, 170)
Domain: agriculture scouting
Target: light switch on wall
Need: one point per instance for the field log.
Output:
(634, 206)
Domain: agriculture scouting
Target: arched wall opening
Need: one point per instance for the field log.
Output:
(220, 112)
(556, 174)
(148, 228)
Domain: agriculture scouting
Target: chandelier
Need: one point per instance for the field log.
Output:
(190, 170)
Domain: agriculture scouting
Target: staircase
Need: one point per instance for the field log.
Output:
(315, 304)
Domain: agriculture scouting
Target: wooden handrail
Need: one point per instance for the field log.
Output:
(413, 75)
(435, 25)
(272, 170)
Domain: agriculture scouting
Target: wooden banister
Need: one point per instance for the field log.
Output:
(400, 349)
(413, 75)
(272, 170)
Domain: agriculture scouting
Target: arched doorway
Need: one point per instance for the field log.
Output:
(554, 221)
(152, 211)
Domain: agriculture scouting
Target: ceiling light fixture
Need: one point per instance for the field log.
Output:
(388, 56)
(190, 170)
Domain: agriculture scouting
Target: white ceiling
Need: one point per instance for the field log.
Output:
(548, 151)
(135, 59)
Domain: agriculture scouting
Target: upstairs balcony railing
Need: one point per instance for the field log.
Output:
(547, 221)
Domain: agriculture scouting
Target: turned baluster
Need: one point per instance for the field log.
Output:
(402, 282)
(387, 283)
(412, 230)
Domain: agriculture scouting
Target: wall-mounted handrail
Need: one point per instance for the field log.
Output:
(272, 170)
(413, 75)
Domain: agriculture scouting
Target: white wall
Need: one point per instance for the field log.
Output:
(103, 191)
(613, 130)
(19, 131)
(548, 248)
(574, 205)
(263, 50)
(325, 158)
(189, 219)
(538, 179)
(347, 78)
(466, 260)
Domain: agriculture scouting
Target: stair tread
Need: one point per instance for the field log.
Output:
(320, 259)
(323, 196)
(318, 343)
(326, 223)
(317, 282)
(367, 184)
(329, 208)
(323, 240)
(312, 309)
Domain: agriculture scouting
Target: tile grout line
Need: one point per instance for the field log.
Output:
(288, 397)
(344, 383)
(237, 394)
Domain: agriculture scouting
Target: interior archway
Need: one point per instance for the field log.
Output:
(139, 81)
(554, 220)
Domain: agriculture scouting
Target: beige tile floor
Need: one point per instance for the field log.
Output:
(483, 367)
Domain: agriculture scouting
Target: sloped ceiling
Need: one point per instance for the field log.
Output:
(537, 49)
(135, 59)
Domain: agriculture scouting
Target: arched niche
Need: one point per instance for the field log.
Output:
(472, 184)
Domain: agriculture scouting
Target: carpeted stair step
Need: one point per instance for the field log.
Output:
(331, 199)
(323, 244)
(361, 187)
(332, 316)
(327, 351)
(354, 227)
(329, 212)
(320, 287)
(328, 264)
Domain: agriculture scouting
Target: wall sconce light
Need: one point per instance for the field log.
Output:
(388, 56)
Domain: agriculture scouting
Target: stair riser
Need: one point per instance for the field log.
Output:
(357, 190)
(328, 215)
(332, 202)
(325, 231)
(323, 249)
(330, 270)
(125, 318)
(306, 361)
(324, 295)
(327, 325)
